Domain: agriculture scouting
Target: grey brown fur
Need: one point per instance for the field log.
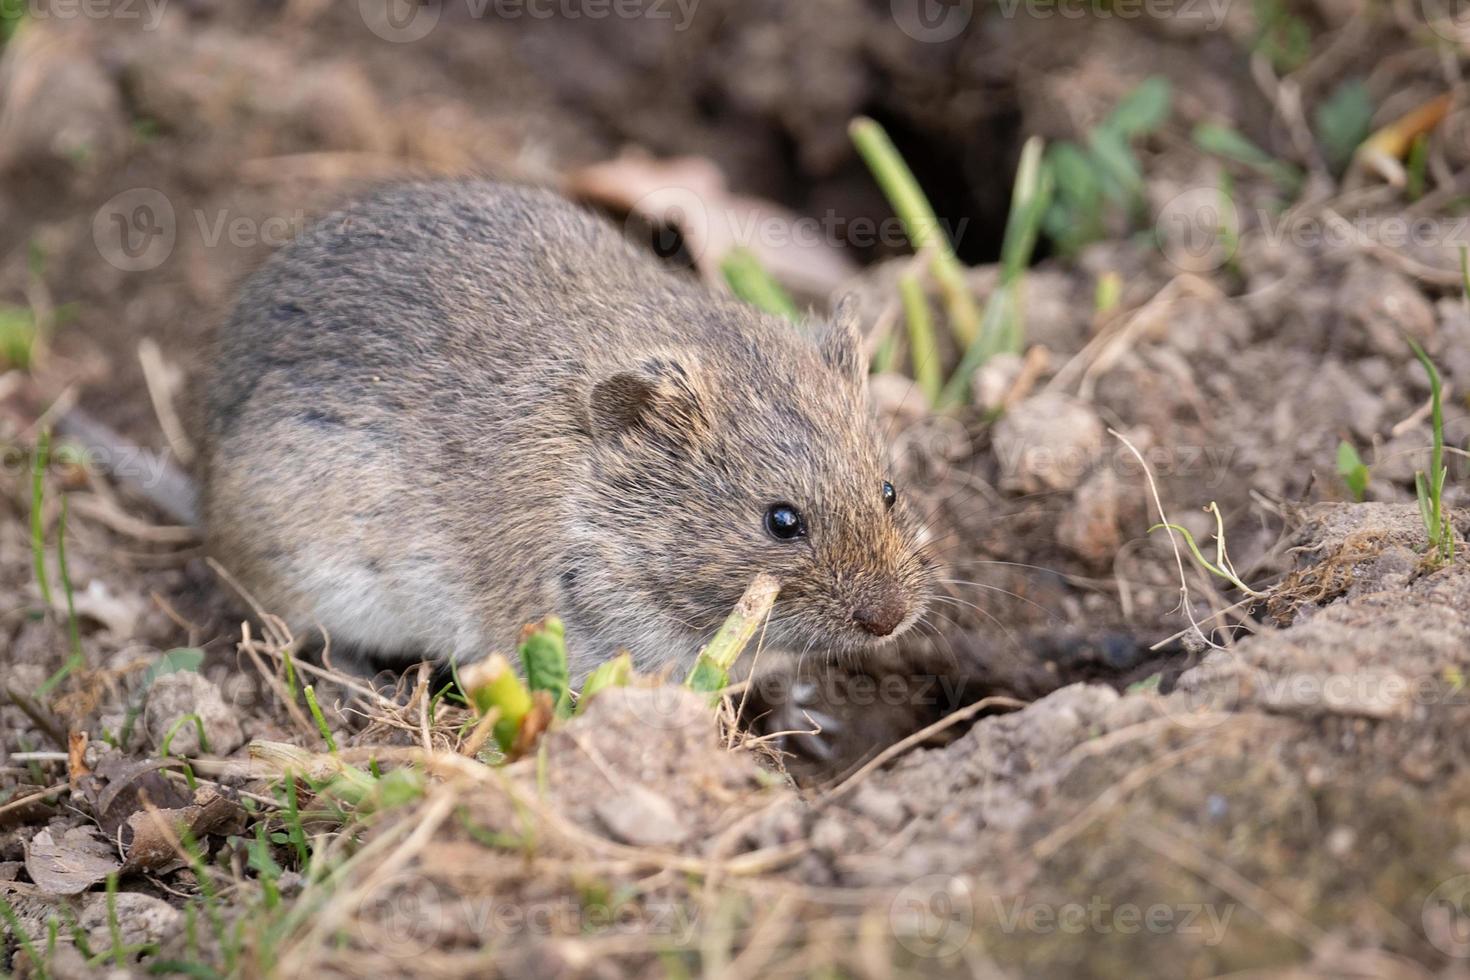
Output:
(455, 408)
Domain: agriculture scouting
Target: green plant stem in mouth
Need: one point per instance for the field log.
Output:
(712, 670)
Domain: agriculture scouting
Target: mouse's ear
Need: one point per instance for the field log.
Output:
(840, 342)
(659, 395)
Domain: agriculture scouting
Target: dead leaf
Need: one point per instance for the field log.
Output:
(71, 865)
(152, 836)
(1382, 151)
(76, 757)
(272, 760)
(119, 787)
(690, 194)
(536, 721)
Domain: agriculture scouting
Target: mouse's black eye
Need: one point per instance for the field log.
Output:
(890, 495)
(784, 522)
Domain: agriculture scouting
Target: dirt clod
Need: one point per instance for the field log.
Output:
(637, 815)
(187, 715)
(140, 919)
(1047, 443)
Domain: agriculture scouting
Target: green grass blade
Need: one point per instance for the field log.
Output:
(920, 224)
(923, 352)
(1224, 141)
(885, 358)
(22, 938)
(319, 718)
(750, 281)
(38, 521)
(1002, 329)
(1204, 562)
(76, 660)
(1351, 468)
(114, 928)
(1030, 197)
(1431, 490)
(73, 628)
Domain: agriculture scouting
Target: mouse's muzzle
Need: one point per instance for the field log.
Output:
(876, 607)
(881, 615)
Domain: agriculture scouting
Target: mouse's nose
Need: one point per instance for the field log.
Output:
(880, 617)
